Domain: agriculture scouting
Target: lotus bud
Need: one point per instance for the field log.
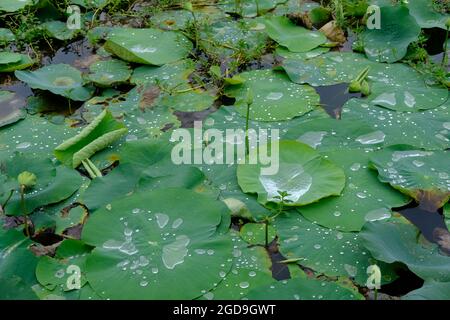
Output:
(365, 88)
(249, 97)
(354, 86)
(27, 179)
(188, 6)
(447, 24)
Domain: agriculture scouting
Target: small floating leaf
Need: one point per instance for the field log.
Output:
(108, 73)
(303, 173)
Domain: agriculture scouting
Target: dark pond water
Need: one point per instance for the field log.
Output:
(333, 98)
(430, 223)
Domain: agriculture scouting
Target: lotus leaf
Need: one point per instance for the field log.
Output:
(60, 79)
(295, 38)
(148, 46)
(303, 173)
(54, 183)
(100, 133)
(149, 244)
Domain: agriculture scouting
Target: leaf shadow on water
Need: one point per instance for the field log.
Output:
(333, 98)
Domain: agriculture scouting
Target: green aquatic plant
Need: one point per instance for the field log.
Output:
(99, 134)
(26, 180)
(360, 84)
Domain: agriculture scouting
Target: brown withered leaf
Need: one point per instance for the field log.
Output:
(148, 97)
(333, 32)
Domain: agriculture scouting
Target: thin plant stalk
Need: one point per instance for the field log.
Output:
(247, 144)
(22, 202)
(7, 200)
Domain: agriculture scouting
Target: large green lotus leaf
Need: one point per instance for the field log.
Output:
(11, 108)
(15, 5)
(6, 36)
(295, 38)
(423, 175)
(148, 244)
(303, 289)
(391, 41)
(425, 14)
(428, 129)
(223, 176)
(331, 134)
(143, 161)
(52, 272)
(148, 46)
(249, 8)
(394, 86)
(17, 264)
(27, 136)
(100, 133)
(59, 30)
(431, 290)
(303, 173)
(331, 252)
(364, 198)
(396, 241)
(53, 184)
(108, 73)
(24, 62)
(250, 269)
(60, 79)
(172, 75)
(275, 97)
